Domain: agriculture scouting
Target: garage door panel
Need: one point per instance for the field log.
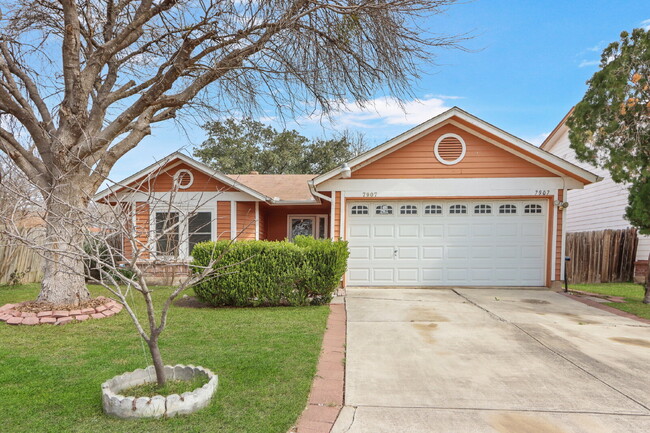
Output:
(359, 252)
(408, 230)
(447, 249)
(408, 275)
(433, 231)
(432, 252)
(383, 275)
(383, 252)
(384, 230)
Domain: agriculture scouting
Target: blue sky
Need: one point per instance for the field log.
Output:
(529, 65)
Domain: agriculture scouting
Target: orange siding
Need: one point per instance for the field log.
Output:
(223, 220)
(263, 223)
(141, 231)
(559, 238)
(246, 220)
(417, 160)
(163, 180)
(337, 215)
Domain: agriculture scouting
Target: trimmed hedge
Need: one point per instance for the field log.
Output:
(266, 273)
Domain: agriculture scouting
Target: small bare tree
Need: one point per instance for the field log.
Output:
(86, 79)
(119, 253)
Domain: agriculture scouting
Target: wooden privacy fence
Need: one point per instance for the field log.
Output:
(15, 257)
(605, 256)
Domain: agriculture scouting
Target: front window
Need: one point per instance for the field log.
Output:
(199, 228)
(308, 225)
(167, 233)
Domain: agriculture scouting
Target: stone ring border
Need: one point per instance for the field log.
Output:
(59, 317)
(157, 406)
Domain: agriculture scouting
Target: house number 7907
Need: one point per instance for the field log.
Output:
(542, 192)
(369, 194)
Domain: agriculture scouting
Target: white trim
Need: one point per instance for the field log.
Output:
(315, 224)
(257, 220)
(190, 161)
(462, 153)
(554, 236)
(333, 214)
(563, 252)
(233, 220)
(342, 233)
(436, 121)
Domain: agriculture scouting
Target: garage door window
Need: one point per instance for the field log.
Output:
(408, 209)
(507, 209)
(458, 209)
(384, 209)
(482, 209)
(433, 209)
(359, 210)
(532, 209)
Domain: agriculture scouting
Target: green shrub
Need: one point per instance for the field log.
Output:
(264, 273)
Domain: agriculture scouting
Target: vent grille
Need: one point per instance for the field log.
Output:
(449, 149)
(183, 179)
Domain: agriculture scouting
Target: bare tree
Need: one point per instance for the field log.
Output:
(119, 253)
(86, 79)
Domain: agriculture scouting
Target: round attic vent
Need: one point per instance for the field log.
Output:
(183, 179)
(449, 149)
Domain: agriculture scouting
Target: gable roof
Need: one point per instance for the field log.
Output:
(286, 187)
(555, 130)
(190, 161)
(518, 146)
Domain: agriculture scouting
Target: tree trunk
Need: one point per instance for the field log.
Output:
(646, 298)
(63, 278)
(158, 364)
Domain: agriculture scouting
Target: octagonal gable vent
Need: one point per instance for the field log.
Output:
(449, 149)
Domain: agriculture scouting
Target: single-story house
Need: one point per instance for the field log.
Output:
(599, 206)
(454, 201)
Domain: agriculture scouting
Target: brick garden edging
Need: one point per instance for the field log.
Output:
(58, 317)
(326, 395)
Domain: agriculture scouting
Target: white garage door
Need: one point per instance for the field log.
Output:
(447, 243)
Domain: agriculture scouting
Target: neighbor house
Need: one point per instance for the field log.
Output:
(454, 201)
(600, 206)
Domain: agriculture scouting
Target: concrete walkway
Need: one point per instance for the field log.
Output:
(488, 360)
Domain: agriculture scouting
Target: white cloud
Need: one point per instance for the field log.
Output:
(538, 139)
(646, 24)
(388, 111)
(586, 63)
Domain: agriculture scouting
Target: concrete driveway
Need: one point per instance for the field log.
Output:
(491, 360)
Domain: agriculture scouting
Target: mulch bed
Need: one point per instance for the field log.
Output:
(38, 307)
(38, 313)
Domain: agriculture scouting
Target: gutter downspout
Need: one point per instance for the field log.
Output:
(312, 189)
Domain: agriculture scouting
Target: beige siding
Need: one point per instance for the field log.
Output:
(598, 206)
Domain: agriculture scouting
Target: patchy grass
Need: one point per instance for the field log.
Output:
(50, 376)
(170, 387)
(633, 294)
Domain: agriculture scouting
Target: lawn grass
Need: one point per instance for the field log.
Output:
(50, 376)
(633, 294)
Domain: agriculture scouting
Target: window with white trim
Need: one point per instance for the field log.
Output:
(359, 210)
(482, 209)
(384, 209)
(507, 209)
(457, 209)
(199, 230)
(433, 209)
(532, 209)
(408, 209)
(167, 233)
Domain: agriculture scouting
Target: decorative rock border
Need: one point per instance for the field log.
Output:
(58, 317)
(157, 406)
